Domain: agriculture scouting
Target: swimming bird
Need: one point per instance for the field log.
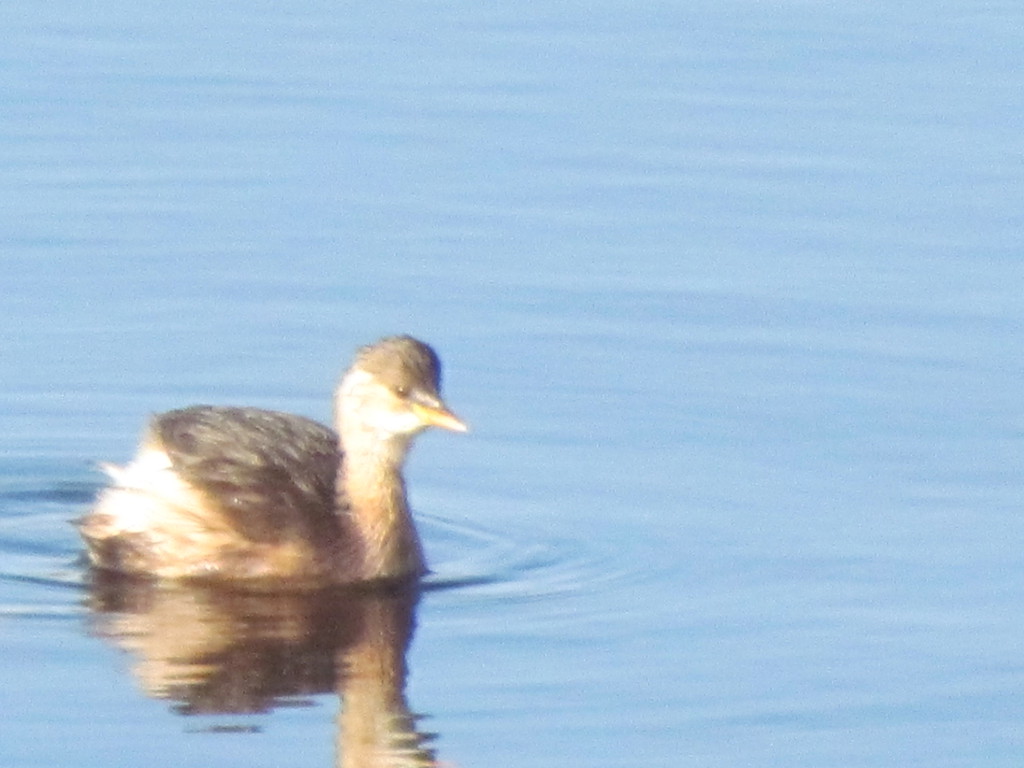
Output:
(262, 497)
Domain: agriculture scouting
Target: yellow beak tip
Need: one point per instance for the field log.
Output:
(438, 417)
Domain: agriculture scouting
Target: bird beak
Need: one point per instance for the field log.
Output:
(437, 415)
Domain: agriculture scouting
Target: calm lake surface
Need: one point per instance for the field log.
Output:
(732, 294)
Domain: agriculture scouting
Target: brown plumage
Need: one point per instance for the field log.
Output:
(275, 499)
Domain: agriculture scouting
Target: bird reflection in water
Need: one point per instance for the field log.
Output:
(215, 651)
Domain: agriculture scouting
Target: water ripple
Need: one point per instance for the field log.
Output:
(510, 566)
(63, 493)
(41, 558)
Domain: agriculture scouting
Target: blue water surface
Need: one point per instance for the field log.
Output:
(729, 292)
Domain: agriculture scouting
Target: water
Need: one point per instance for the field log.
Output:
(730, 294)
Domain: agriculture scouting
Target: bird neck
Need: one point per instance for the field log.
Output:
(373, 491)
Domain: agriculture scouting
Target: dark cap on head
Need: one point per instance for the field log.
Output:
(402, 363)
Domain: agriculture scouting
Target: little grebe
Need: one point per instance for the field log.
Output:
(248, 494)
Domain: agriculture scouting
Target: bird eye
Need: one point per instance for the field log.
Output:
(402, 391)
